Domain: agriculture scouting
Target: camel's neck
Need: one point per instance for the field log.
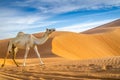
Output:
(43, 39)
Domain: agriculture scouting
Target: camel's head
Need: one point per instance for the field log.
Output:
(49, 31)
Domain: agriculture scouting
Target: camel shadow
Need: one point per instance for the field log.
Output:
(45, 50)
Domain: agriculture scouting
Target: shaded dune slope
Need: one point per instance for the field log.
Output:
(87, 45)
(44, 49)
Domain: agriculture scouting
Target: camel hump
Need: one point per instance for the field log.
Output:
(20, 34)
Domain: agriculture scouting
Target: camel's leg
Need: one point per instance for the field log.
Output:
(14, 55)
(8, 52)
(26, 53)
(36, 50)
(5, 59)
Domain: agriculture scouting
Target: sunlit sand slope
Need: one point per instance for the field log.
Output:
(87, 46)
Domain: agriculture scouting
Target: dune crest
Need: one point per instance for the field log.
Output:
(104, 28)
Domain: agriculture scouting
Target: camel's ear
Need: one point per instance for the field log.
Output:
(46, 29)
(53, 29)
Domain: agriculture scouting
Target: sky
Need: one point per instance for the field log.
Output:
(34, 16)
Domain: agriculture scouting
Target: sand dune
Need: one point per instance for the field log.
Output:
(102, 41)
(82, 46)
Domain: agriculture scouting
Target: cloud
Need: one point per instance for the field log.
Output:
(62, 6)
(50, 7)
(84, 26)
(12, 19)
(25, 26)
(11, 30)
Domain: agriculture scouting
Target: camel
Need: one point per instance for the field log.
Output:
(26, 41)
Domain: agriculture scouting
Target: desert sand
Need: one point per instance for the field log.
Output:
(90, 55)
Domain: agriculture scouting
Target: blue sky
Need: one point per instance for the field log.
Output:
(33, 16)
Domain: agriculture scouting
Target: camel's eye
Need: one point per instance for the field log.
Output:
(9, 51)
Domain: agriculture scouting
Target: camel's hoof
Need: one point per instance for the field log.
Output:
(2, 65)
(24, 65)
(42, 64)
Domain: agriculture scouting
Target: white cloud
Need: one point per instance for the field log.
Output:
(13, 20)
(84, 26)
(25, 26)
(10, 29)
(61, 6)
